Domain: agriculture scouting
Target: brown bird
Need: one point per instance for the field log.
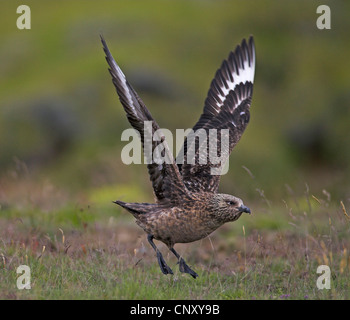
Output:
(187, 204)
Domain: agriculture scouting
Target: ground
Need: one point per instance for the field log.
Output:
(94, 250)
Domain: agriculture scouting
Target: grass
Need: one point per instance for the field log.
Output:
(57, 216)
(99, 253)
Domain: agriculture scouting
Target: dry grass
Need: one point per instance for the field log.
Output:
(79, 250)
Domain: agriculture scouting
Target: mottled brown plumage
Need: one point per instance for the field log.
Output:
(188, 206)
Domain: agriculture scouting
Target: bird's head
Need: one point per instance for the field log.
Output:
(228, 208)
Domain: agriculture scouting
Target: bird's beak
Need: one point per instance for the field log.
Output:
(243, 208)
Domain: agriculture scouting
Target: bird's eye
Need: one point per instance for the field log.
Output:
(231, 203)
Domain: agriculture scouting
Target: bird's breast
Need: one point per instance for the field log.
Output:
(176, 225)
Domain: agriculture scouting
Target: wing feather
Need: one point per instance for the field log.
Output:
(226, 107)
(166, 180)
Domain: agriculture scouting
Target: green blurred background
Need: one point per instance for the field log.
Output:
(61, 121)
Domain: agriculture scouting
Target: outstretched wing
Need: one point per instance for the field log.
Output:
(165, 176)
(226, 107)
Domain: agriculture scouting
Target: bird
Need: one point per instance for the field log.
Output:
(188, 206)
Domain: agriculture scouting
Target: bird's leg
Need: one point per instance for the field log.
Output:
(183, 266)
(163, 266)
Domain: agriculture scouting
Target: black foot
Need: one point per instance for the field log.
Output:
(186, 269)
(163, 266)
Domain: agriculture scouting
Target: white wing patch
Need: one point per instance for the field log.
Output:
(120, 75)
(238, 69)
(245, 74)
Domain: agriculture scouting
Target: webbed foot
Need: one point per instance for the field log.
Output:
(162, 264)
(186, 269)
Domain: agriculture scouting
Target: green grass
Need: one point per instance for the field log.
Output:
(99, 253)
(102, 274)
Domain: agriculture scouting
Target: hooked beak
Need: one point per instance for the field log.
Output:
(243, 208)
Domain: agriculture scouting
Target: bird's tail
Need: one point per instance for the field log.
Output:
(136, 208)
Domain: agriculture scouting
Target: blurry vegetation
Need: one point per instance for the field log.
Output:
(60, 115)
